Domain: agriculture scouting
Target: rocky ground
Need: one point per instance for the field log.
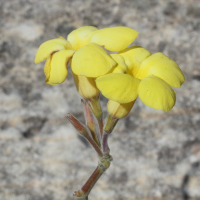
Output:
(156, 154)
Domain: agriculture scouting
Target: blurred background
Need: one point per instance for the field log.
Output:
(156, 154)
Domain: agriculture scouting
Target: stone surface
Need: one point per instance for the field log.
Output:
(156, 154)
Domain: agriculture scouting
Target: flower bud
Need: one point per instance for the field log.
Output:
(119, 110)
(77, 124)
(86, 86)
(116, 111)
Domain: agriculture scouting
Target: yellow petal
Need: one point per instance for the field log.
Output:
(80, 37)
(50, 46)
(162, 66)
(47, 66)
(58, 67)
(156, 93)
(133, 57)
(86, 87)
(118, 110)
(91, 61)
(122, 88)
(114, 38)
(121, 66)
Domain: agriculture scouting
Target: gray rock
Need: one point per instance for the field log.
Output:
(156, 154)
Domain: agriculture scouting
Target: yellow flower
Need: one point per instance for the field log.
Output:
(87, 58)
(138, 73)
(83, 49)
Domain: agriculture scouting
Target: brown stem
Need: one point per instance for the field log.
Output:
(84, 132)
(95, 146)
(105, 147)
(92, 180)
(85, 190)
(100, 123)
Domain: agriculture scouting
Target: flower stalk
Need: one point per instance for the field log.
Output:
(110, 123)
(95, 106)
(90, 122)
(83, 130)
(103, 151)
(103, 165)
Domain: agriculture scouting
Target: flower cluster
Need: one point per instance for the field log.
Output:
(121, 77)
(148, 76)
